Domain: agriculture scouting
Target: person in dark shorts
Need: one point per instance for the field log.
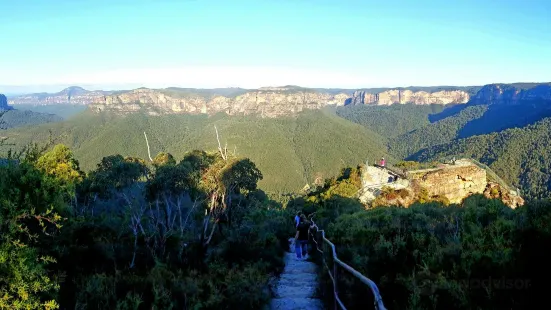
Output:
(297, 218)
(301, 238)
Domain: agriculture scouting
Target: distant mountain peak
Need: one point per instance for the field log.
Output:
(282, 88)
(72, 90)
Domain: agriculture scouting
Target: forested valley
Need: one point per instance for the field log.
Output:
(92, 220)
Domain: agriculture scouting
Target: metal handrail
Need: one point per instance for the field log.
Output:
(372, 286)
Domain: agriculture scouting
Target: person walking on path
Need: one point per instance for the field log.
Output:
(297, 218)
(301, 238)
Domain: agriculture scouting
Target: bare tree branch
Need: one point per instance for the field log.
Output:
(211, 232)
(224, 157)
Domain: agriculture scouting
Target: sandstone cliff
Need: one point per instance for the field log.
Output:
(455, 182)
(4, 103)
(265, 102)
(278, 101)
(407, 96)
(446, 183)
(495, 191)
(512, 93)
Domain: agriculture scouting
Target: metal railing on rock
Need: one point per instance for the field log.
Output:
(321, 243)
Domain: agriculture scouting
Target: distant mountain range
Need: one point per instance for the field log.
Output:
(278, 101)
(289, 100)
(70, 95)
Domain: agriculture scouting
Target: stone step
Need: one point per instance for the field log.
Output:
(295, 291)
(297, 286)
(300, 269)
(296, 304)
(299, 277)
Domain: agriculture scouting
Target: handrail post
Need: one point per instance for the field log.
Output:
(335, 283)
(334, 278)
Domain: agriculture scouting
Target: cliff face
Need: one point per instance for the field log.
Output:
(278, 101)
(71, 95)
(390, 97)
(511, 94)
(447, 182)
(267, 103)
(454, 182)
(4, 103)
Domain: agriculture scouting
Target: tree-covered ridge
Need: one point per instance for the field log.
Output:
(390, 121)
(194, 233)
(178, 92)
(290, 151)
(62, 110)
(521, 156)
(480, 254)
(440, 132)
(19, 118)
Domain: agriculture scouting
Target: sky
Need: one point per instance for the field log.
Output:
(119, 44)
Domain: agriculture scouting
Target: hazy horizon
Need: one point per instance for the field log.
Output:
(17, 90)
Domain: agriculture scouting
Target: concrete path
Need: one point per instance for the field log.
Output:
(296, 287)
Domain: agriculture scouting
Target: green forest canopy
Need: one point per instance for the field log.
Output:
(291, 151)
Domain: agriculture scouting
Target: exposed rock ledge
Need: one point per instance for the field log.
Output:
(267, 102)
(390, 97)
(449, 183)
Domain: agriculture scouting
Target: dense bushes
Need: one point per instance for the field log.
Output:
(477, 255)
(194, 234)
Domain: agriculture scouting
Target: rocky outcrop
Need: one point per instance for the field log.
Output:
(71, 95)
(495, 191)
(398, 96)
(4, 103)
(454, 182)
(448, 183)
(511, 94)
(267, 103)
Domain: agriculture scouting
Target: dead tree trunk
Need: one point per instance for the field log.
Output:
(148, 151)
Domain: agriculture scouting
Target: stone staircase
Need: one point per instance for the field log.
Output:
(297, 286)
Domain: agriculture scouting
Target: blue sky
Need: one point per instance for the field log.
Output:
(314, 43)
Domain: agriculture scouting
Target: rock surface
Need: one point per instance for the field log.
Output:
(452, 182)
(407, 96)
(266, 103)
(495, 191)
(509, 94)
(455, 182)
(374, 179)
(278, 101)
(297, 286)
(4, 103)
